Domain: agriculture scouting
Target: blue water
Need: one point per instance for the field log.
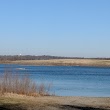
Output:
(68, 80)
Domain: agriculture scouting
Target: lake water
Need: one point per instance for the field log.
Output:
(68, 80)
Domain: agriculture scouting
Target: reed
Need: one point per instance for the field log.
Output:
(21, 84)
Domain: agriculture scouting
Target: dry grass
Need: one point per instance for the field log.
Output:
(10, 83)
(21, 102)
(64, 62)
(17, 84)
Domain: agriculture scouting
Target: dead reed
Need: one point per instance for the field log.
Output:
(21, 84)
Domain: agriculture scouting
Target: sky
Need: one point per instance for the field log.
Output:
(77, 28)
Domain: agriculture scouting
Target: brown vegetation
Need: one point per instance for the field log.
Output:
(32, 57)
(17, 84)
(63, 62)
(21, 102)
(54, 60)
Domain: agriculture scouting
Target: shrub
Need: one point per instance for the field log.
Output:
(21, 84)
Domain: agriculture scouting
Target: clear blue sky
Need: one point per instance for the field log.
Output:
(55, 27)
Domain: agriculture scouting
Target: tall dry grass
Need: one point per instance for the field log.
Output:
(21, 84)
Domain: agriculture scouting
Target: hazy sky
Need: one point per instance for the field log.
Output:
(55, 27)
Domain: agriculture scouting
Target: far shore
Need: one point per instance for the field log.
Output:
(62, 62)
(21, 102)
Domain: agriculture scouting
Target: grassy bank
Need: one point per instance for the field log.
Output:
(22, 102)
(62, 62)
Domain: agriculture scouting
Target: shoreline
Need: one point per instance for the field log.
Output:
(62, 62)
(14, 101)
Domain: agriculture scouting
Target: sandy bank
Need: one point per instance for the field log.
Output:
(15, 102)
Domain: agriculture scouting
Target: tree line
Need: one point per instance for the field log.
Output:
(33, 57)
(43, 57)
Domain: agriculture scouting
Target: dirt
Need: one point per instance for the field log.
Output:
(19, 102)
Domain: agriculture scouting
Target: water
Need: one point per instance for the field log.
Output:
(68, 80)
